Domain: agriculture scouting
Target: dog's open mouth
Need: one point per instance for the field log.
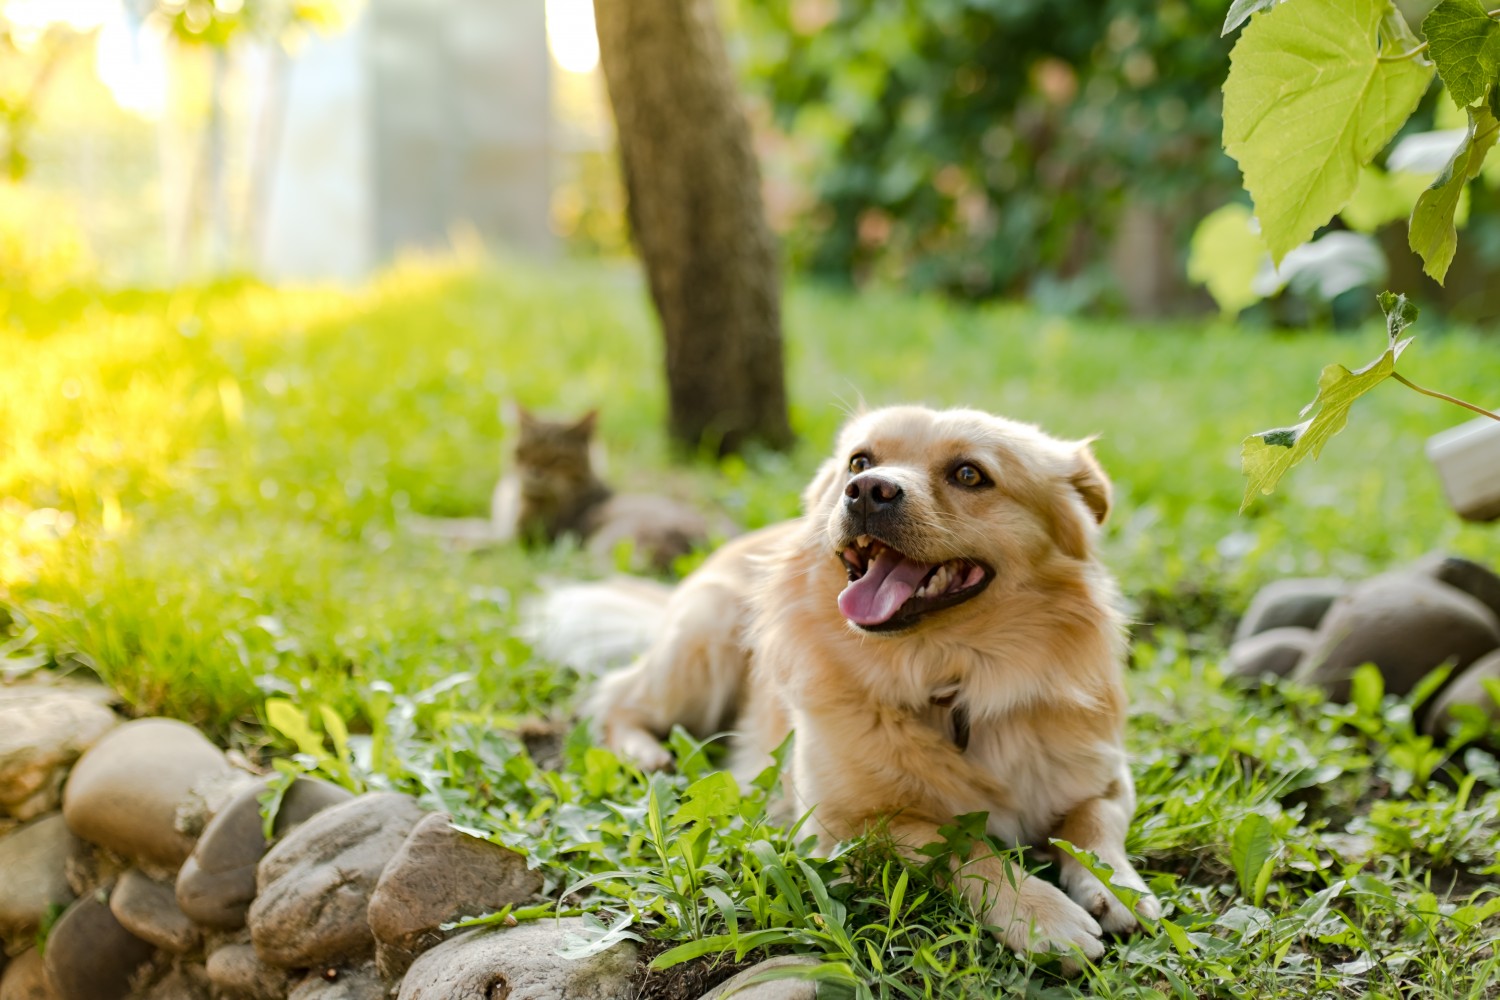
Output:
(889, 590)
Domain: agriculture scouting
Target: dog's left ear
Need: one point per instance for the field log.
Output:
(1088, 478)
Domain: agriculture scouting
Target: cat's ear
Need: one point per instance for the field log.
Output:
(586, 424)
(514, 415)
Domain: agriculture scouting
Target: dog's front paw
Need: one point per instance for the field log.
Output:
(1104, 906)
(1040, 918)
(640, 748)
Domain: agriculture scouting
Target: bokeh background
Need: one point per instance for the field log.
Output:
(1065, 152)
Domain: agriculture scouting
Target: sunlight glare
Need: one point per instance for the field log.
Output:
(131, 61)
(571, 35)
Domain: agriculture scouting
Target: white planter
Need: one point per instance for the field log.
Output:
(1468, 462)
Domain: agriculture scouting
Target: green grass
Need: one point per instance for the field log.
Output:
(200, 497)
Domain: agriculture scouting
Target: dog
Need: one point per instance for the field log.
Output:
(940, 635)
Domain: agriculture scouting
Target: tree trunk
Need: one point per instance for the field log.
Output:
(694, 207)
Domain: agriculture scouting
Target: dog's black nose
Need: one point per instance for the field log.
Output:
(870, 494)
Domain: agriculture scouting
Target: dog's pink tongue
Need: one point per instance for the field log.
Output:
(890, 579)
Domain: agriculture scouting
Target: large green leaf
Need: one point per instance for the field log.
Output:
(1432, 233)
(1465, 43)
(1225, 255)
(1316, 88)
(1265, 457)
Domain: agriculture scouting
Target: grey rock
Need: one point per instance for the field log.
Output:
(438, 875)
(1467, 689)
(314, 887)
(237, 971)
(1404, 623)
(1479, 582)
(184, 982)
(519, 963)
(359, 982)
(26, 979)
(33, 874)
(126, 792)
(1299, 603)
(44, 728)
(148, 909)
(1275, 651)
(217, 882)
(90, 956)
(776, 989)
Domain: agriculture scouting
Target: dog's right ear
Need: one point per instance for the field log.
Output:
(1092, 484)
(823, 483)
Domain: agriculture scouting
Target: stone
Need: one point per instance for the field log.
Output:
(185, 982)
(148, 909)
(775, 989)
(1404, 623)
(520, 963)
(34, 874)
(359, 982)
(44, 728)
(1466, 689)
(217, 882)
(90, 956)
(313, 888)
(237, 971)
(1275, 651)
(126, 792)
(438, 875)
(1479, 582)
(26, 979)
(1297, 602)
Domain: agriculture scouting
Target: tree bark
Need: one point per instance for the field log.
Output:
(694, 207)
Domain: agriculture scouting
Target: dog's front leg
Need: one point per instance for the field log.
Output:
(1100, 825)
(1027, 913)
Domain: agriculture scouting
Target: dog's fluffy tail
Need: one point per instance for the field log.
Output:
(595, 627)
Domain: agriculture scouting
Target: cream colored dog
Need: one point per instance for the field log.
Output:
(942, 639)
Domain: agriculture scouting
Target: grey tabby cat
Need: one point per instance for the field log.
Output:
(552, 491)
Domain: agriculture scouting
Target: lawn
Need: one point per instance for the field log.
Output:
(201, 498)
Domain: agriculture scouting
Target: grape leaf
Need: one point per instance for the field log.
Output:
(1225, 255)
(1309, 100)
(1240, 11)
(1432, 233)
(1465, 43)
(1266, 456)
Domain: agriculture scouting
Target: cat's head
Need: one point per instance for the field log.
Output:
(554, 455)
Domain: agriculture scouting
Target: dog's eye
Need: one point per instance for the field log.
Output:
(860, 462)
(968, 475)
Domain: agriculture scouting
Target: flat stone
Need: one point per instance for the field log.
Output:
(34, 874)
(1466, 694)
(90, 956)
(775, 989)
(438, 875)
(44, 728)
(237, 971)
(1404, 623)
(1297, 602)
(520, 963)
(26, 979)
(359, 982)
(217, 882)
(125, 794)
(314, 887)
(1275, 652)
(148, 909)
(1479, 582)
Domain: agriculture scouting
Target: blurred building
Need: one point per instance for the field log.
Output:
(425, 117)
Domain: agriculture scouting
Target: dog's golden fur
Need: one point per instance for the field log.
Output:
(1009, 702)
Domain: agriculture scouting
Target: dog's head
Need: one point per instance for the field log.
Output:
(926, 508)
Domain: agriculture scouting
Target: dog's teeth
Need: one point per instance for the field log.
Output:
(939, 581)
(863, 541)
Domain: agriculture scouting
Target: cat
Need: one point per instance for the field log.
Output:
(553, 492)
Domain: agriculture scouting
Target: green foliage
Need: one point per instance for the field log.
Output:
(1433, 234)
(979, 148)
(1225, 256)
(1465, 44)
(1316, 88)
(1268, 455)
